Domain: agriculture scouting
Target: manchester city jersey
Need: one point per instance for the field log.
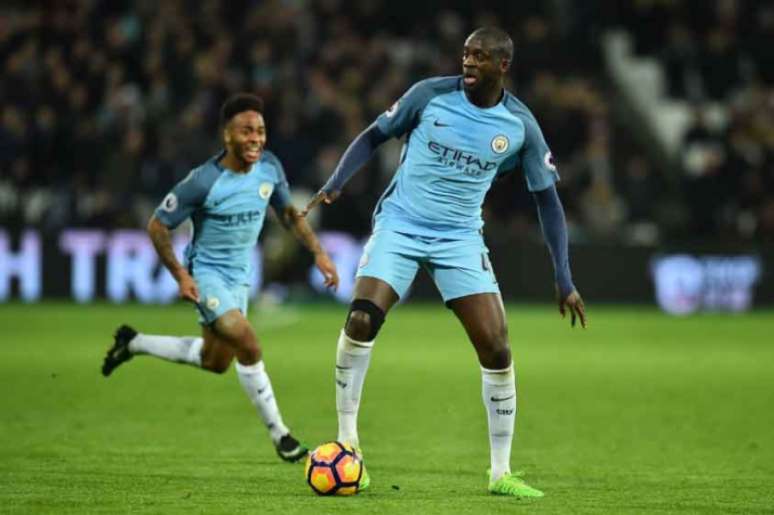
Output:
(452, 153)
(227, 210)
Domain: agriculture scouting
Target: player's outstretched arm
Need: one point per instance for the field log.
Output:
(162, 242)
(551, 215)
(298, 225)
(574, 304)
(357, 154)
(319, 198)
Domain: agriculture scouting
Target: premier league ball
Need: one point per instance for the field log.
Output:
(334, 469)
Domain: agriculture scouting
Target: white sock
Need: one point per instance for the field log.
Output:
(257, 386)
(499, 393)
(187, 349)
(352, 359)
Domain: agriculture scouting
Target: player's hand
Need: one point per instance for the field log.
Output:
(327, 269)
(574, 304)
(188, 289)
(319, 198)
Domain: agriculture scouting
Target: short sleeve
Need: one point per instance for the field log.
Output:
(403, 115)
(280, 197)
(183, 200)
(536, 158)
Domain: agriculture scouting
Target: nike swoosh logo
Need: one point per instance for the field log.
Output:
(495, 399)
(439, 124)
(261, 390)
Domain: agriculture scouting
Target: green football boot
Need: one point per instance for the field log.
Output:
(365, 479)
(513, 485)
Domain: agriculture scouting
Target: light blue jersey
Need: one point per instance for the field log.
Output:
(227, 210)
(453, 152)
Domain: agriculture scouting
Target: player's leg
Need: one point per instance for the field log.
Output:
(207, 352)
(483, 318)
(372, 299)
(217, 353)
(233, 329)
(385, 273)
(127, 342)
(464, 276)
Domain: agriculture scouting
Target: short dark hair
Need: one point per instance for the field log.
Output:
(496, 39)
(239, 103)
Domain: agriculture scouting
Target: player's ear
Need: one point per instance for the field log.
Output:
(226, 135)
(505, 64)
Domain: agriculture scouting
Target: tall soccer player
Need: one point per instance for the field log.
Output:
(226, 198)
(461, 133)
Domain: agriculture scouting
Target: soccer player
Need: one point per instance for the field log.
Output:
(226, 198)
(461, 133)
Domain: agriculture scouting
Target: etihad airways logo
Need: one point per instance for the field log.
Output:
(236, 219)
(468, 163)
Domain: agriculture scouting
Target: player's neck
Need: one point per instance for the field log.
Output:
(233, 163)
(486, 98)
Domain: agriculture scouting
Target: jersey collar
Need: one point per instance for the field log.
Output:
(503, 94)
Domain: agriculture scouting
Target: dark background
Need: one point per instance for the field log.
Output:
(104, 105)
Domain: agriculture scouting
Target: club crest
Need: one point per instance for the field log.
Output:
(213, 303)
(265, 190)
(500, 144)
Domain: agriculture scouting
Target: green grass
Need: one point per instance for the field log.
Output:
(640, 413)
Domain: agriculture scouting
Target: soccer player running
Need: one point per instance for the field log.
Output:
(461, 133)
(226, 198)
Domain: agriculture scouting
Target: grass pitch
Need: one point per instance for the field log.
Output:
(640, 413)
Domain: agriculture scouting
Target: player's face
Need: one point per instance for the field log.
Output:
(480, 67)
(246, 136)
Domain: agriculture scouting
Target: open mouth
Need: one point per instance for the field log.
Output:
(469, 79)
(252, 153)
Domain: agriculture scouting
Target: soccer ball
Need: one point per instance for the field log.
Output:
(334, 469)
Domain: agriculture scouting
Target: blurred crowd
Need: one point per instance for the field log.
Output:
(718, 57)
(104, 105)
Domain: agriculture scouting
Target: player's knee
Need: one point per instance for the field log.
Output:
(358, 326)
(221, 367)
(248, 350)
(364, 320)
(499, 357)
(497, 351)
(217, 364)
